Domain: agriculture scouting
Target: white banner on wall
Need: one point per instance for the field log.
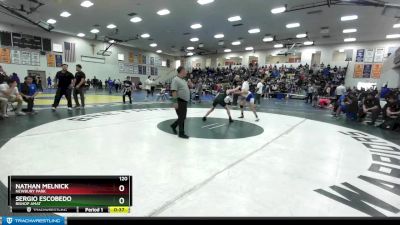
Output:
(130, 68)
(121, 67)
(369, 55)
(158, 62)
(25, 58)
(35, 59)
(126, 68)
(15, 57)
(379, 55)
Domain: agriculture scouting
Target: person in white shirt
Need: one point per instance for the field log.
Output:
(245, 85)
(244, 89)
(259, 91)
(147, 86)
(9, 93)
(340, 90)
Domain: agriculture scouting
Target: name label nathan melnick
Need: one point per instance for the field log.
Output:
(382, 153)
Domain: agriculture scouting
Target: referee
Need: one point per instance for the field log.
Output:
(180, 98)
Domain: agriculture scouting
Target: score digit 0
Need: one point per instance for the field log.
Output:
(121, 188)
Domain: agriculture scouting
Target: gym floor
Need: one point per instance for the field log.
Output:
(297, 161)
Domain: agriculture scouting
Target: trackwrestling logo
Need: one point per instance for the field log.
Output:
(33, 220)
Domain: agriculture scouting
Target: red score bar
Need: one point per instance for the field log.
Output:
(70, 185)
(87, 189)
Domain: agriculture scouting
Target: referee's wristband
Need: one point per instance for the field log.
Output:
(174, 100)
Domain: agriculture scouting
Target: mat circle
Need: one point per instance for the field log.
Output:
(214, 128)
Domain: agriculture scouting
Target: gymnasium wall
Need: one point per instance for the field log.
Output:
(83, 47)
(329, 55)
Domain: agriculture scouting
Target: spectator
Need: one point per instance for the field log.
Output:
(392, 120)
(310, 91)
(9, 92)
(15, 77)
(340, 90)
(147, 86)
(259, 91)
(49, 85)
(127, 90)
(39, 83)
(117, 85)
(28, 93)
(348, 105)
(110, 85)
(3, 75)
(153, 87)
(370, 105)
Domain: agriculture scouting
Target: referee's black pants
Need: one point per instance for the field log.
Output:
(181, 112)
(129, 94)
(60, 92)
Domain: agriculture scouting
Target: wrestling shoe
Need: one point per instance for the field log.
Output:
(184, 136)
(20, 114)
(174, 130)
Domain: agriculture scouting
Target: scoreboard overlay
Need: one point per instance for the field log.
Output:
(69, 194)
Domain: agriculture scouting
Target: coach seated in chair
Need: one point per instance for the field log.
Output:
(9, 92)
(392, 119)
(371, 105)
(28, 93)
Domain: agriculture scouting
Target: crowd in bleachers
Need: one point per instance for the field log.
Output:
(319, 85)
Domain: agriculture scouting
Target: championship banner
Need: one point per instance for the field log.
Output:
(121, 67)
(140, 60)
(144, 59)
(25, 58)
(59, 60)
(35, 59)
(379, 55)
(376, 71)
(367, 71)
(360, 55)
(16, 56)
(131, 57)
(358, 71)
(5, 55)
(51, 60)
(369, 55)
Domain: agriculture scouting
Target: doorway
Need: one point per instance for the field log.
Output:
(316, 58)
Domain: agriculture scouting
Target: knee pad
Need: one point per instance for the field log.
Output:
(241, 106)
